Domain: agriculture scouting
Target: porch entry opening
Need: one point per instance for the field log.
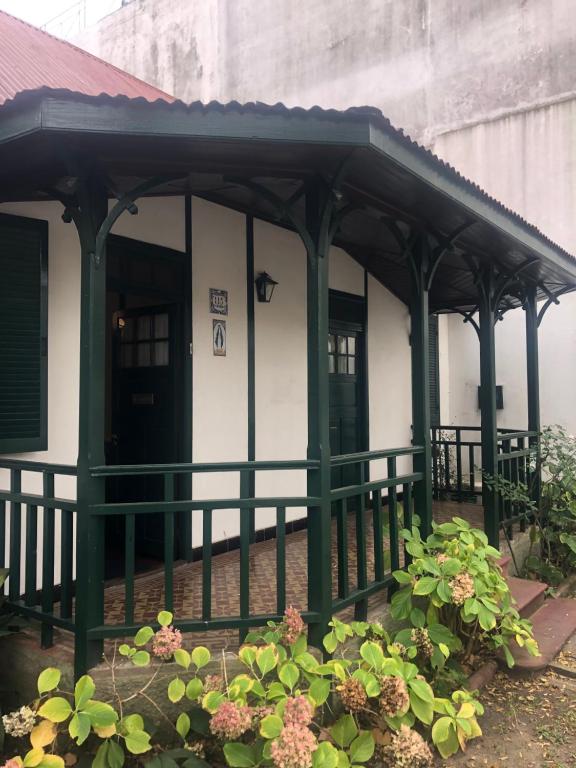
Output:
(346, 365)
(145, 392)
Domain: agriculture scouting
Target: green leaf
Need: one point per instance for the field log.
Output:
(124, 649)
(330, 641)
(444, 592)
(200, 656)
(417, 617)
(132, 723)
(115, 755)
(56, 710)
(402, 577)
(401, 604)
(194, 688)
(240, 755)
(344, 731)
(199, 721)
(289, 674)
(449, 745)
(362, 748)
(266, 659)
(176, 690)
(425, 585)
(325, 756)
(101, 757)
(182, 658)
(212, 701)
(424, 710)
(143, 636)
(138, 742)
(183, 725)
(271, 726)
(319, 691)
(83, 691)
(79, 727)
(100, 713)
(422, 689)
(164, 619)
(141, 659)
(486, 617)
(48, 680)
(372, 654)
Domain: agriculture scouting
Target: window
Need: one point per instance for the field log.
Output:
(342, 354)
(144, 341)
(23, 334)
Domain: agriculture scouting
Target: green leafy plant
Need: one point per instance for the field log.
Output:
(454, 592)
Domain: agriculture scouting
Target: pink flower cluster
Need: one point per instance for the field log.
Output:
(292, 626)
(166, 641)
(13, 762)
(294, 747)
(230, 721)
(298, 711)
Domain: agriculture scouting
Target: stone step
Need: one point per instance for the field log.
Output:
(529, 595)
(554, 623)
(504, 563)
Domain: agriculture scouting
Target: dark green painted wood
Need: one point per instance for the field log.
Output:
(66, 550)
(533, 381)
(223, 466)
(361, 607)
(246, 517)
(342, 545)
(48, 546)
(2, 533)
(129, 567)
(280, 560)
(89, 611)
(251, 361)
(185, 484)
(207, 565)
(378, 526)
(319, 517)
(15, 536)
(23, 334)
(407, 503)
(169, 545)
(419, 317)
(31, 554)
(488, 403)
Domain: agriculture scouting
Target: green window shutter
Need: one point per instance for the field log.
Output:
(23, 334)
(434, 370)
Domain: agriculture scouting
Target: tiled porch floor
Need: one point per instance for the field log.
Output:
(149, 587)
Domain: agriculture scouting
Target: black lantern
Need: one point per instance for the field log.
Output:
(265, 287)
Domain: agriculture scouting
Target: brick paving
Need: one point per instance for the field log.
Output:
(149, 587)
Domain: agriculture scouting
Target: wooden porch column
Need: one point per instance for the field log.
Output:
(89, 613)
(489, 431)
(319, 518)
(533, 378)
(420, 258)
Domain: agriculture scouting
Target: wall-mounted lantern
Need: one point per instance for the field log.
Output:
(265, 287)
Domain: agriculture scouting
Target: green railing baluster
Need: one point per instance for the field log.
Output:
(407, 504)
(471, 468)
(280, 560)
(393, 517)
(207, 565)
(66, 552)
(378, 527)
(435, 449)
(246, 529)
(2, 533)
(342, 544)
(31, 554)
(129, 567)
(15, 536)
(459, 464)
(48, 542)
(361, 608)
(506, 504)
(447, 484)
(521, 478)
(169, 545)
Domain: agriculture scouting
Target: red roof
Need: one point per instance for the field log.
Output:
(31, 59)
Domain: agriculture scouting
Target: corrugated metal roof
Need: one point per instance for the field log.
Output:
(31, 58)
(361, 114)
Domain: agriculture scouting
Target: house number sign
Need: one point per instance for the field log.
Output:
(218, 301)
(219, 337)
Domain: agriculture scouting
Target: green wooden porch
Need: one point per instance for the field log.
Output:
(350, 179)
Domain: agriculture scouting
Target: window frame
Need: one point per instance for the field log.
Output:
(39, 442)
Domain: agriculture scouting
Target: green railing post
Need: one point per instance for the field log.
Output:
(421, 381)
(89, 612)
(489, 431)
(533, 381)
(319, 518)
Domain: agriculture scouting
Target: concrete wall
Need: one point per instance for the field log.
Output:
(220, 393)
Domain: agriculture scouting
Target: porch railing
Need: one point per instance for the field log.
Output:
(457, 466)
(48, 597)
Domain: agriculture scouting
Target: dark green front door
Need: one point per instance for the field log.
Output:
(346, 346)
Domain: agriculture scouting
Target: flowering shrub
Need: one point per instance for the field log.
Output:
(456, 598)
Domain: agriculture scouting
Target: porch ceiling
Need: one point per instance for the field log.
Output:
(206, 150)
